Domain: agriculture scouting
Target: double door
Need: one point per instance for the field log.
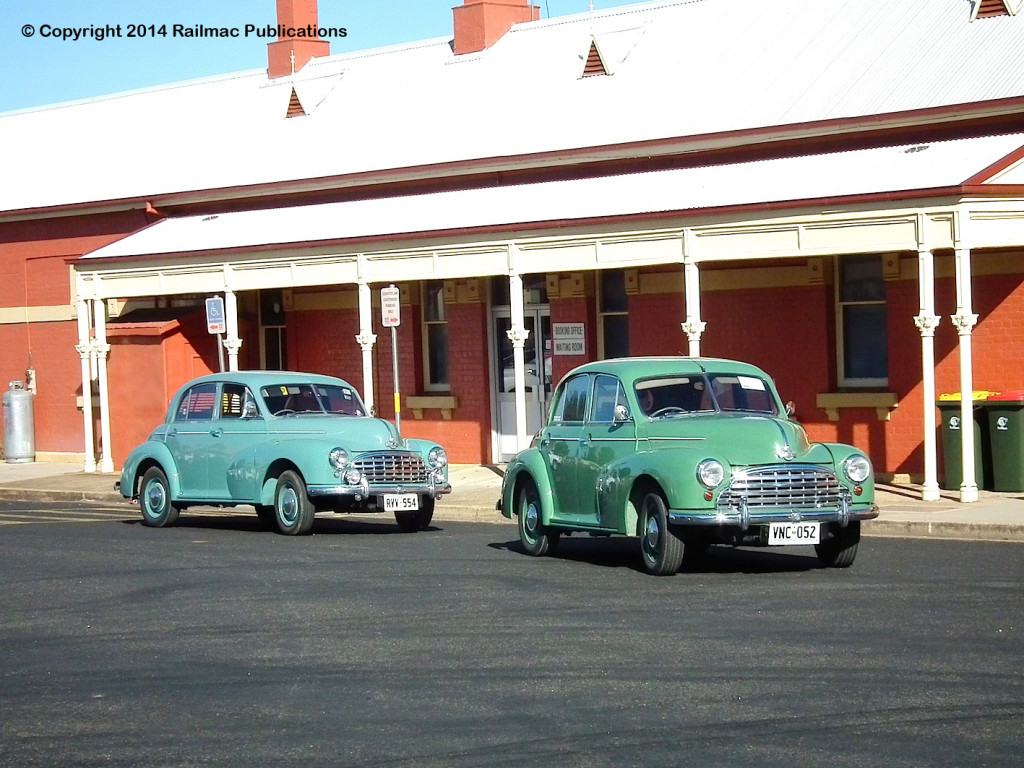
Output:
(537, 352)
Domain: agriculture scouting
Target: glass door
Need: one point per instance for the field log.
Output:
(537, 385)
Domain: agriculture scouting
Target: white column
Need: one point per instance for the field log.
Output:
(518, 335)
(232, 343)
(694, 326)
(366, 339)
(926, 322)
(965, 320)
(102, 350)
(85, 351)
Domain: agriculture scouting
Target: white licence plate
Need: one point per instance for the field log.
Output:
(401, 502)
(787, 534)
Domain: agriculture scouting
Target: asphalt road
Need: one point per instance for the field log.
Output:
(216, 643)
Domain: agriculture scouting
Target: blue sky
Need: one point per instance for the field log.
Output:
(37, 70)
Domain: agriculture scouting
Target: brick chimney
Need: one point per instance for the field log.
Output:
(294, 15)
(480, 24)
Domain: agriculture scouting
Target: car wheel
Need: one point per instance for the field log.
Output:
(536, 538)
(155, 500)
(662, 550)
(841, 550)
(292, 509)
(419, 520)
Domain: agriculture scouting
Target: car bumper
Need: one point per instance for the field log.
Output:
(365, 491)
(744, 518)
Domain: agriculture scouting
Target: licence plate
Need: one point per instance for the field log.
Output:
(401, 502)
(786, 534)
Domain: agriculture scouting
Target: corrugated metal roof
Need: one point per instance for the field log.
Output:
(679, 69)
(834, 175)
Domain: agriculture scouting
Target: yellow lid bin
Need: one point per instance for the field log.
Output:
(978, 394)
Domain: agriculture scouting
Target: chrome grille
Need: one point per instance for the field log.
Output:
(392, 468)
(782, 487)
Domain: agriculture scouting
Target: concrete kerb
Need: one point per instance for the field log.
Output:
(475, 489)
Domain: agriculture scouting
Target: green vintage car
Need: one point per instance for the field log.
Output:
(684, 453)
(290, 444)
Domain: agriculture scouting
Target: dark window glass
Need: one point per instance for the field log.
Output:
(865, 353)
(535, 290)
(572, 406)
(616, 335)
(437, 356)
(198, 403)
(613, 291)
(861, 279)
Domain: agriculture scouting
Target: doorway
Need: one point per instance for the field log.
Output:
(537, 358)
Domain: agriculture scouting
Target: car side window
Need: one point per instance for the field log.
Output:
(572, 407)
(237, 402)
(608, 393)
(198, 403)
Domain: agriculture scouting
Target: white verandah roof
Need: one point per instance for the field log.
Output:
(352, 227)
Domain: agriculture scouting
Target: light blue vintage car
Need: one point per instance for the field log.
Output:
(290, 444)
(683, 453)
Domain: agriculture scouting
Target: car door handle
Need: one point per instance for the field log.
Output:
(172, 433)
(585, 441)
(217, 432)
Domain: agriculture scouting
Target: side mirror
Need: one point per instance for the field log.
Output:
(790, 409)
(249, 410)
(622, 413)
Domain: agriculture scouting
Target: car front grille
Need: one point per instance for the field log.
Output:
(392, 468)
(792, 487)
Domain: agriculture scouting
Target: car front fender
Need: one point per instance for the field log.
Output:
(527, 466)
(148, 454)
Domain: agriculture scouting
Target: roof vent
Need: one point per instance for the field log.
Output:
(595, 64)
(986, 9)
(295, 106)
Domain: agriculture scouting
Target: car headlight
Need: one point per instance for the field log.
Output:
(338, 457)
(857, 468)
(437, 458)
(353, 476)
(711, 473)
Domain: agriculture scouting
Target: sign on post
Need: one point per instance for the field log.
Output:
(570, 338)
(215, 320)
(390, 307)
(391, 317)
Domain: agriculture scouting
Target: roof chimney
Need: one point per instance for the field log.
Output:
(296, 36)
(480, 24)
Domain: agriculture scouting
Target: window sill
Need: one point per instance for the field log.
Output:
(883, 403)
(419, 403)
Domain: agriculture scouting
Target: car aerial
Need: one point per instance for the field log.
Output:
(290, 444)
(683, 453)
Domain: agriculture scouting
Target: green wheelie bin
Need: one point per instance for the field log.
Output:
(949, 408)
(1006, 436)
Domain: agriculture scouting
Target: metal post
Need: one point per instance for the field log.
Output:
(926, 322)
(85, 351)
(965, 320)
(394, 373)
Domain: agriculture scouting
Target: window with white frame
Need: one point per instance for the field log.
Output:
(861, 322)
(435, 337)
(613, 314)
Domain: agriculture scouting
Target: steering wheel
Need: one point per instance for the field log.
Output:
(667, 410)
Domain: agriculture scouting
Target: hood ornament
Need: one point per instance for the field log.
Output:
(391, 443)
(785, 453)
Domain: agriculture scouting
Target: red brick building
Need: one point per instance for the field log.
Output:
(832, 191)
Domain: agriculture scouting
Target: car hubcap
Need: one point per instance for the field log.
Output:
(155, 498)
(652, 534)
(289, 505)
(532, 519)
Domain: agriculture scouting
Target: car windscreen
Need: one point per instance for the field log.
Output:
(286, 399)
(681, 395)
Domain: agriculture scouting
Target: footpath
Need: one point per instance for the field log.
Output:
(475, 489)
